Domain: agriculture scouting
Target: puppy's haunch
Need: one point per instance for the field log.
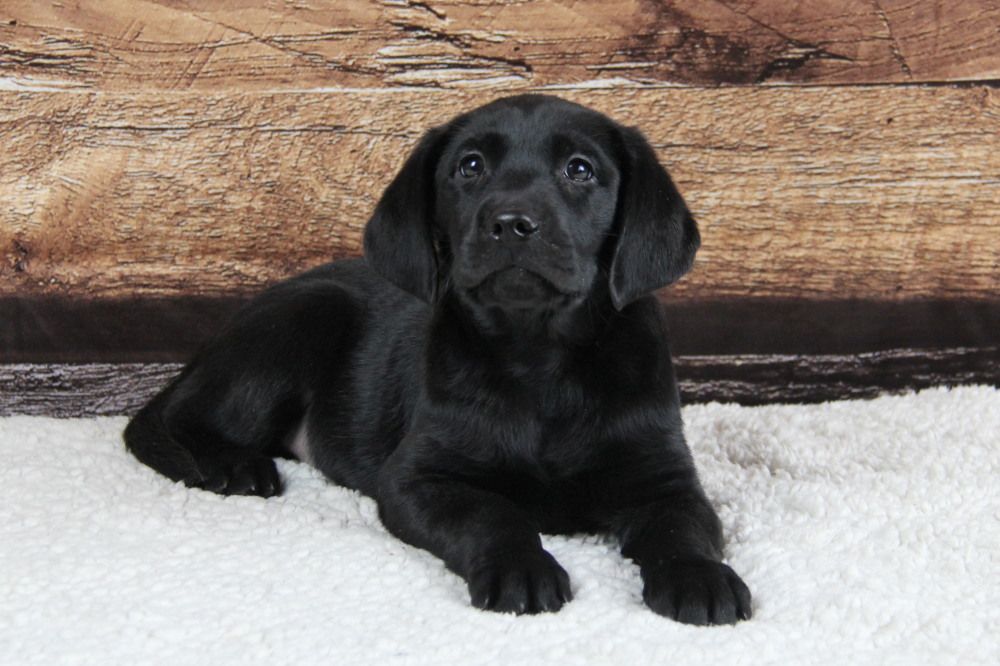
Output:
(496, 366)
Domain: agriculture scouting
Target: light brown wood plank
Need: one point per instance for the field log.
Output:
(829, 193)
(151, 45)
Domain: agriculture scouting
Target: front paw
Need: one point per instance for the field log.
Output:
(524, 582)
(698, 592)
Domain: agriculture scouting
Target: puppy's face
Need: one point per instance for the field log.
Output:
(528, 205)
(525, 200)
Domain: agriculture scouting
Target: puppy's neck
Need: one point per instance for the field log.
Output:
(569, 325)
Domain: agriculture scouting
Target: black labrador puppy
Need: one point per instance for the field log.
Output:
(494, 368)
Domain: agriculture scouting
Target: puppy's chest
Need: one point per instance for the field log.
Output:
(542, 452)
(548, 468)
(549, 437)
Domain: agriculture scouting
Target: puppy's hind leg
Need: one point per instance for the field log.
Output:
(221, 443)
(146, 438)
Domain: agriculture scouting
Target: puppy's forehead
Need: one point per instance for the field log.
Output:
(531, 123)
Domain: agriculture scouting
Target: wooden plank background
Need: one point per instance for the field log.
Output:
(264, 45)
(159, 150)
(817, 193)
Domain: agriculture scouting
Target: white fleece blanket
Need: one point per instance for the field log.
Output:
(869, 533)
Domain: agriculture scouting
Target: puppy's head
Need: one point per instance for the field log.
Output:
(532, 203)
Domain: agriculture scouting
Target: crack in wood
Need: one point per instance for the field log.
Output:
(897, 54)
(282, 43)
(20, 258)
(422, 32)
(277, 129)
(795, 56)
(427, 8)
(46, 61)
(416, 68)
(722, 147)
(507, 66)
(400, 62)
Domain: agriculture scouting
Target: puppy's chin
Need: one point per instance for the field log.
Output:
(515, 289)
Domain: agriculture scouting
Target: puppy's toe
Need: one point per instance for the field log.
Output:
(257, 476)
(522, 584)
(253, 476)
(699, 592)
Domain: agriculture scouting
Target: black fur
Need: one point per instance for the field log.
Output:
(496, 368)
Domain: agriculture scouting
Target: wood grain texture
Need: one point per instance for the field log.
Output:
(104, 389)
(86, 389)
(830, 193)
(156, 45)
(776, 378)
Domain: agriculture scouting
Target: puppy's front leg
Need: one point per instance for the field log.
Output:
(481, 535)
(665, 524)
(677, 543)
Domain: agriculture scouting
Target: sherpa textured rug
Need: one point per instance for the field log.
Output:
(868, 531)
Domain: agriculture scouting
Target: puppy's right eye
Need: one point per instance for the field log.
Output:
(472, 165)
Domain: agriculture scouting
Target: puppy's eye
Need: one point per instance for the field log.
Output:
(579, 169)
(472, 165)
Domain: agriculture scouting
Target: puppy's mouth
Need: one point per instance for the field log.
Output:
(517, 288)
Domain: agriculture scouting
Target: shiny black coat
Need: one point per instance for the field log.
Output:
(494, 368)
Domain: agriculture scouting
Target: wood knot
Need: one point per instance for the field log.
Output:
(20, 256)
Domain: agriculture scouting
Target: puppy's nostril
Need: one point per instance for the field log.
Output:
(525, 227)
(497, 231)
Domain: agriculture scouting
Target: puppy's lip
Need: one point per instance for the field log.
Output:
(480, 274)
(516, 272)
(517, 287)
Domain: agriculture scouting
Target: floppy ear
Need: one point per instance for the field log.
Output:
(657, 237)
(399, 237)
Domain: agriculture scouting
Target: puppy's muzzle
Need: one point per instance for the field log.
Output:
(517, 258)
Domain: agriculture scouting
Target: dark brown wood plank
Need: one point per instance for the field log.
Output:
(828, 193)
(150, 45)
(765, 379)
(745, 352)
(53, 330)
(109, 331)
(110, 389)
(89, 389)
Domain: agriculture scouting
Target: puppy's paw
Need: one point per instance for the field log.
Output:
(696, 592)
(240, 476)
(527, 582)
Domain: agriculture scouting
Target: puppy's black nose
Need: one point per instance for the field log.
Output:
(512, 226)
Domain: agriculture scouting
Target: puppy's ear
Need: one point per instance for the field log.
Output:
(657, 237)
(399, 238)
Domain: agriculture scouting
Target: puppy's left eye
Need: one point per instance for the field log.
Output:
(579, 169)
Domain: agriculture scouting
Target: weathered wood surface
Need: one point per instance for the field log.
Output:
(101, 389)
(765, 379)
(262, 45)
(87, 389)
(839, 192)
